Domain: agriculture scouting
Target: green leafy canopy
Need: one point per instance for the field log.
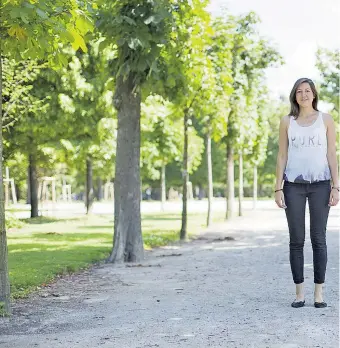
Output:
(37, 28)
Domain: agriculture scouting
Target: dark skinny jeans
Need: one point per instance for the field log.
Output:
(296, 195)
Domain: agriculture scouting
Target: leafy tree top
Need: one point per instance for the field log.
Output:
(36, 29)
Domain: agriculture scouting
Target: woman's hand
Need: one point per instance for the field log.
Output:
(280, 199)
(334, 197)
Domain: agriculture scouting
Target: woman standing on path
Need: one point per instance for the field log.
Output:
(307, 169)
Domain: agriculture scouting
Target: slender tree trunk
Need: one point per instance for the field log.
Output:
(100, 193)
(163, 187)
(7, 188)
(183, 233)
(240, 186)
(18, 193)
(28, 200)
(5, 305)
(32, 159)
(210, 178)
(128, 241)
(255, 187)
(201, 192)
(89, 185)
(230, 180)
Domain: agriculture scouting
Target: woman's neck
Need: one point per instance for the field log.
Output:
(306, 112)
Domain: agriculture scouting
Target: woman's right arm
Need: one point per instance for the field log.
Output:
(281, 161)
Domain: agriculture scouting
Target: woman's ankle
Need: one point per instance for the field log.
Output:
(318, 293)
(299, 291)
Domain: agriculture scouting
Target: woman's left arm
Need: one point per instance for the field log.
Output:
(332, 159)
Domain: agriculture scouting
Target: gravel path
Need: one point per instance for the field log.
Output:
(230, 288)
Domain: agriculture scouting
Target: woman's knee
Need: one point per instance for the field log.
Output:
(319, 243)
(297, 244)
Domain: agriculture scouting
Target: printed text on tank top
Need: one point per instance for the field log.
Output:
(307, 152)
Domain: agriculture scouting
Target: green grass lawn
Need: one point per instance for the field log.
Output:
(46, 247)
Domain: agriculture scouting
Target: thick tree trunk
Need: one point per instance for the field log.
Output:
(230, 180)
(240, 186)
(210, 179)
(255, 188)
(89, 185)
(183, 233)
(163, 187)
(32, 160)
(128, 241)
(5, 306)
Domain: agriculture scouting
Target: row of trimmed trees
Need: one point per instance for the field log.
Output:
(209, 70)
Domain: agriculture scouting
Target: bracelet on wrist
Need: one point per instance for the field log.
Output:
(336, 188)
(278, 190)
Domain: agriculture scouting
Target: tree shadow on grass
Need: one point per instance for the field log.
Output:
(61, 237)
(96, 227)
(45, 220)
(160, 218)
(50, 240)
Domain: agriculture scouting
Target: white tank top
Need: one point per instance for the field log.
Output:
(307, 152)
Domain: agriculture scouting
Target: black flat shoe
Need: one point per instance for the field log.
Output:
(320, 304)
(298, 304)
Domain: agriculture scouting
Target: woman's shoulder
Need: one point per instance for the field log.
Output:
(284, 123)
(327, 118)
(286, 119)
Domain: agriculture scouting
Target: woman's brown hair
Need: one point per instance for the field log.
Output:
(294, 106)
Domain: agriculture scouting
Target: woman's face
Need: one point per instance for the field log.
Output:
(304, 95)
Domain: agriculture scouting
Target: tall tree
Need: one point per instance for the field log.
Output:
(186, 60)
(34, 30)
(251, 55)
(221, 57)
(19, 80)
(255, 149)
(33, 128)
(83, 97)
(139, 29)
(212, 106)
(161, 143)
